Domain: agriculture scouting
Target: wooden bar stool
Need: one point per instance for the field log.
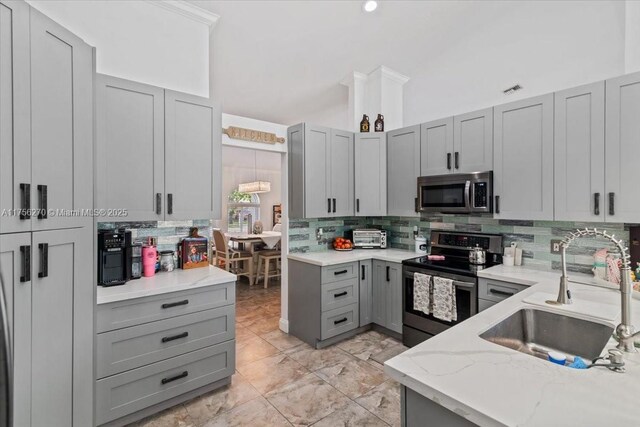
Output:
(266, 257)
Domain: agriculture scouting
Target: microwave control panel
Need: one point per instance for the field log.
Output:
(480, 195)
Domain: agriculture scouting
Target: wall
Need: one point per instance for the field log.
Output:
(139, 40)
(632, 36)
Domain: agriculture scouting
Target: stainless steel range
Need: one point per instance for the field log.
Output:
(455, 247)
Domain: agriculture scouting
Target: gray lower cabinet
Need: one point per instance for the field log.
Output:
(403, 170)
(491, 292)
(417, 409)
(370, 174)
(366, 292)
(387, 295)
(157, 351)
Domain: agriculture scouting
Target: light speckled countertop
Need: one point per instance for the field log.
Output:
(491, 385)
(162, 283)
(332, 257)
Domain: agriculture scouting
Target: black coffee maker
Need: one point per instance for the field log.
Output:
(111, 258)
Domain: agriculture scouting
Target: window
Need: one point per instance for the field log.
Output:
(238, 207)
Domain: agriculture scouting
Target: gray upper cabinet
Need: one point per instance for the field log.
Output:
(436, 147)
(523, 159)
(623, 148)
(473, 142)
(370, 174)
(61, 124)
(193, 161)
(580, 153)
(403, 170)
(130, 142)
(321, 178)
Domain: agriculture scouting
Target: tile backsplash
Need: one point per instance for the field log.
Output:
(168, 233)
(533, 237)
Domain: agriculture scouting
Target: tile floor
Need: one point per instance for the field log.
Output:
(281, 381)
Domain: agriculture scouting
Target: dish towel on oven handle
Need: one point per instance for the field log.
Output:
(422, 292)
(444, 299)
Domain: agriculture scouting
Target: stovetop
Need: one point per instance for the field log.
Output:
(450, 264)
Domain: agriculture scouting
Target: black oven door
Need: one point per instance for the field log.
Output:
(466, 302)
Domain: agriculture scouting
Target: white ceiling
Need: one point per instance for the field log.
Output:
(282, 61)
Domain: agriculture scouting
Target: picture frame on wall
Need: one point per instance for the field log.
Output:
(277, 214)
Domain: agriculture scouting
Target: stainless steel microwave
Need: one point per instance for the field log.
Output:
(456, 193)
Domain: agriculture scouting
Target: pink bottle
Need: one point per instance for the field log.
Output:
(149, 255)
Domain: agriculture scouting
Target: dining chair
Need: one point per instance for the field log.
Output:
(237, 262)
(265, 257)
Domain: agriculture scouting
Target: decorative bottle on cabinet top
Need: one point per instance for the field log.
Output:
(379, 124)
(364, 124)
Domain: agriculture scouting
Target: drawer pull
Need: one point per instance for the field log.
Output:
(175, 304)
(341, 294)
(174, 378)
(337, 322)
(175, 337)
(340, 272)
(501, 293)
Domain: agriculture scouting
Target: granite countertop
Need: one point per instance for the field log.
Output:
(162, 283)
(491, 385)
(332, 257)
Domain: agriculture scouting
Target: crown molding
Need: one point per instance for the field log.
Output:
(393, 75)
(351, 78)
(188, 10)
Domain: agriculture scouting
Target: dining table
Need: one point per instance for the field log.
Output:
(249, 241)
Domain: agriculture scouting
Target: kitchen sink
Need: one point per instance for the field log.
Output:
(536, 332)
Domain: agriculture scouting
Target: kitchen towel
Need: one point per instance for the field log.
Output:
(422, 292)
(444, 299)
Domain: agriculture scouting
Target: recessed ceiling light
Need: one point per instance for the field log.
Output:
(370, 5)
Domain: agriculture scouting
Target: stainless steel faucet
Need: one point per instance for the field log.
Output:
(625, 332)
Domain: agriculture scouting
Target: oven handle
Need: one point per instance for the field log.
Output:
(467, 195)
(466, 285)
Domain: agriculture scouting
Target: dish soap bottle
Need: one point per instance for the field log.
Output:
(364, 124)
(379, 124)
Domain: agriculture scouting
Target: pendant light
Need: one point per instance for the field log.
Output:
(255, 186)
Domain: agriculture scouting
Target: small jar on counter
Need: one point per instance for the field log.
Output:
(167, 262)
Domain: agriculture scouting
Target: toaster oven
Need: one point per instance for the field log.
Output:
(369, 239)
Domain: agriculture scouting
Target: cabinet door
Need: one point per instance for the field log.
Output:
(317, 183)
(394, 297)
(130, 148)
(379, 293)
(623, 148)
(15, 251)
(473, 141)
(403, 170)
(62, 300)
(371, 174)
(15, 131)
(436, 147)
(579, 153)
(341, 173)
(193, 154)
(295, 143)
(61, 124)
(366, 292)
(523, 159)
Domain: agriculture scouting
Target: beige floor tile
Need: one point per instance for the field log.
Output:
(353, 378)
(254, 413)
(365, 345)
(205, 408)
(353, 415)
(172, 417)
(272, 372)
(243, 334)
(253, 349)
(307, 400)
(314, 359)
(391, 350)
(280, 340)
(262, 325)
(383, 401)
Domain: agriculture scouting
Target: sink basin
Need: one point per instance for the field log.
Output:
(536, 332)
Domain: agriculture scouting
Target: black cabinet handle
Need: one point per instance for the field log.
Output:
(362, 274)
(337, 322)
(26, 263)
(175, 304)
(449, 161)
(44, 259)
(177, 377)
(456, 161)
(42, 196)
(612, 203)
(497, 204)
(175, 337)
(596, 203)
(341, 294)
(388, 274)
(334, 205)
(357, 205)
(502, 293)
(415, 202)
(25, 189)
(158, 203)
(340, 272)
(170, 203)
(329, 205)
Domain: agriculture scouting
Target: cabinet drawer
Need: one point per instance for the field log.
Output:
(483, 304)
(496, 290)
(335, 273)
(129, 348)
(339, 294)
(123, 314)
(340, 320)
(131, 391)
